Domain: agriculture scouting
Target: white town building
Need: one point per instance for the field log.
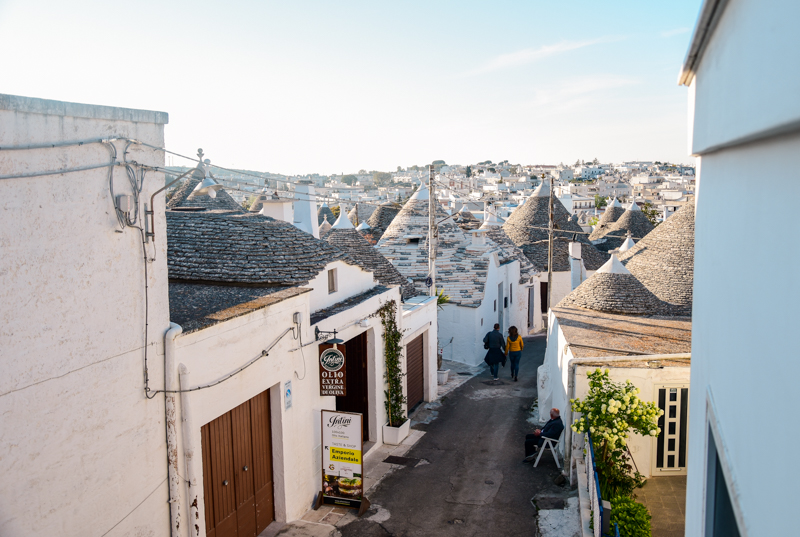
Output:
(743, 73)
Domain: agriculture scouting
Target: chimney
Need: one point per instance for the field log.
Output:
(576, 267)
(305, 208)
(478, 237)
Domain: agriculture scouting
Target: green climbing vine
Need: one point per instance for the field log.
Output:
(392, 348)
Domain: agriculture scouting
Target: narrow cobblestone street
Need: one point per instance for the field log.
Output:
(466, 477)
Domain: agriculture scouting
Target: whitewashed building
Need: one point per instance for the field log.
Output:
(632, 316)
(484, 275)
(527, 228)
(221, 303)
(743, 74)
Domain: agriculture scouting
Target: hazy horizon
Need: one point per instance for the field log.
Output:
(331, 88)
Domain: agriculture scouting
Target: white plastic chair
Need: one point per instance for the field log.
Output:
(552, 443)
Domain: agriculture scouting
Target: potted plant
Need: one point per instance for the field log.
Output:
(396, 429)
(441, 374)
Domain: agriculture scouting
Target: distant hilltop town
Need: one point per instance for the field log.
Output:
(584, 188)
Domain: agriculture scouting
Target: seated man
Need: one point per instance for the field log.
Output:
(552, 429)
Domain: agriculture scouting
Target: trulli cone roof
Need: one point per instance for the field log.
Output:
(664, 260)
(613, 289)
(527, 227)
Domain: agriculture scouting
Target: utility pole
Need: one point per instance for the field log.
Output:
(550, 228)
(433, 232)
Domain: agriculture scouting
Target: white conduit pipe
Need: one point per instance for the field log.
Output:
(192, 496)
(172, 434)
(571, 365)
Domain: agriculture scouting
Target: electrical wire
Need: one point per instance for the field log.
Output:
(135, 508)
(55, 172)
(302, 355)
(263, 353)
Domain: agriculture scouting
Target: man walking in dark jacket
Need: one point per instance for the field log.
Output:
(552, 429)
(496, 343)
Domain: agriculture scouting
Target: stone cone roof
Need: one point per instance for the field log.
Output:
(613, 289)
(634, 221)
(664, 260)
(466, 220)
(461, 269)
(364, 212)
(182, 197)
(324, 211)
(612, 213)
(382, 217)
(527, 227)
(369, 258)
(325, 226)
(243, 248)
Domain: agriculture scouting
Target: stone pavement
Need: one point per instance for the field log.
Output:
(466, 477)
(665, 498)
(463, 473)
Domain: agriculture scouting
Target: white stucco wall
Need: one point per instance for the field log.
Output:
(646, 380)
(744, 335)
(468, 326)
(81, 445)
(351, 281)
(553, 385)
(746, 83)
(214, 351)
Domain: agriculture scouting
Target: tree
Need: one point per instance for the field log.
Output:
(399, 169)
(651, 213)
(438, 163)
(382, 178)
(593, 221)
(595, 161)
(577, 163)
(469, 172)
(600, 201)
(336, 210)
(349, 179)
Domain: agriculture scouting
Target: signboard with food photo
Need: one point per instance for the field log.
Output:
(342, 477)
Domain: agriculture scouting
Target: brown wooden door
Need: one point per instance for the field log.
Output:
(415, 377)
(357, 398)
(237, 470)
(243, 471)
(262, 461)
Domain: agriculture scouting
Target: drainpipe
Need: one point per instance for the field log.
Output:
(170, 415)
(188, 455)
(572, 363)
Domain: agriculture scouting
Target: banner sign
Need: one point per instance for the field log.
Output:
(342, 444)
(332, 372)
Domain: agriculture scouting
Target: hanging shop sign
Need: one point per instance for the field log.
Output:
(332, 371)
(342, 474)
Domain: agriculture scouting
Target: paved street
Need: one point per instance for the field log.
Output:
(468, 478)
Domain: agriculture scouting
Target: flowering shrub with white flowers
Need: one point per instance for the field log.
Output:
(609, 413)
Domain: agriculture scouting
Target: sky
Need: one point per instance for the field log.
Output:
(301, 87)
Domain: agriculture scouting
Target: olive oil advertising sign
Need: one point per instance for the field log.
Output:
(342, 479)
(332, 371)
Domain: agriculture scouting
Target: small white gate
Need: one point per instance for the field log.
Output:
(670, 447)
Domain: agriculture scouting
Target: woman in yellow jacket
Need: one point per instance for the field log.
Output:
(514, 348)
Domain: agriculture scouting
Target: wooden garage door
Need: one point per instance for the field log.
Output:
(415, 376)
(237, 470)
